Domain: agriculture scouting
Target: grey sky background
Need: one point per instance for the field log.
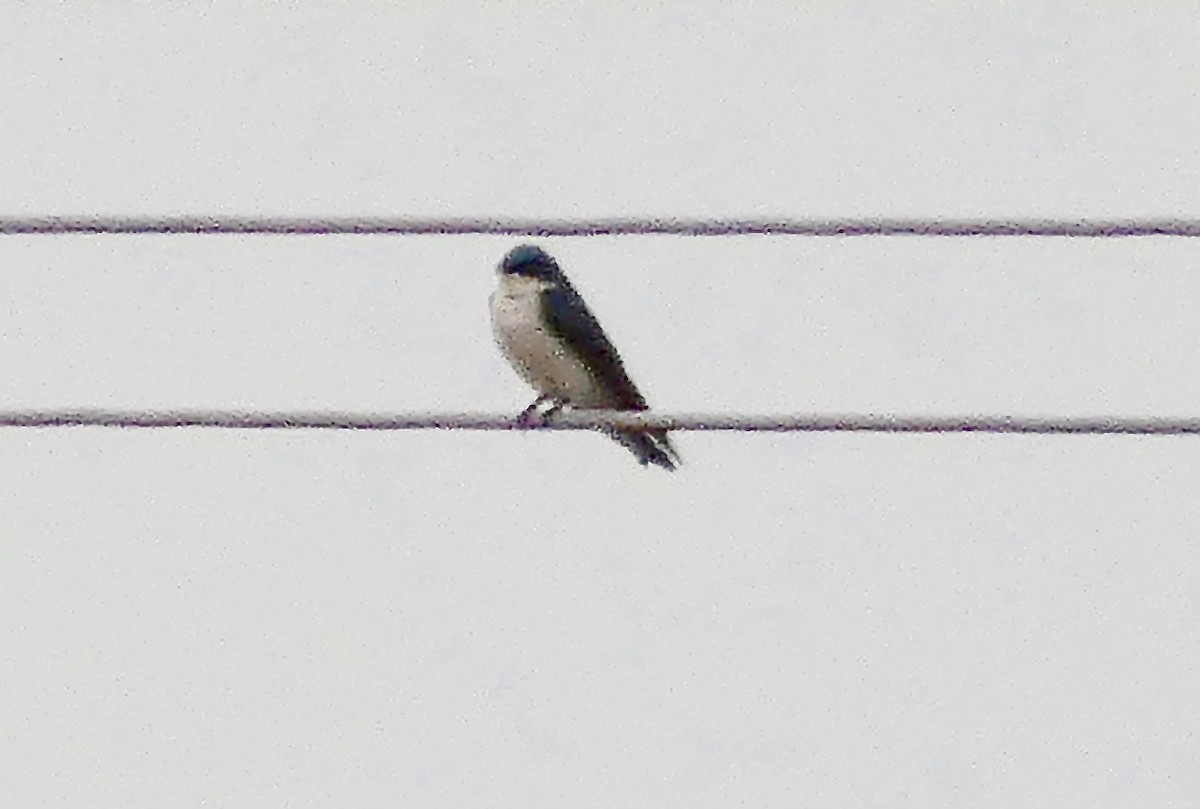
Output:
(438, 619)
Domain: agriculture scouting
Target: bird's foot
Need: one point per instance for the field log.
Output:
(526, 416)
(531, 417)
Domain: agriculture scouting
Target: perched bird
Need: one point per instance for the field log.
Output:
(546, 332)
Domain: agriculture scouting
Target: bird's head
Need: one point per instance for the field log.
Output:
(529, 261)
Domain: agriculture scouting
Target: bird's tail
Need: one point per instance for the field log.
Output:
(650, 446)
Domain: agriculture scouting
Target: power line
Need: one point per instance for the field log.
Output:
(583, 420)
(505, 226)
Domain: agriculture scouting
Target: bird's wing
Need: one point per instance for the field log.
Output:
(569, 318)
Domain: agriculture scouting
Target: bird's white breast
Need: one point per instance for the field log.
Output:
(536, 354)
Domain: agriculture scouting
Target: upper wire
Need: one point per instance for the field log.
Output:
(1078, 228)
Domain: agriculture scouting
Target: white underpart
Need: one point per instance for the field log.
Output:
(535, 354)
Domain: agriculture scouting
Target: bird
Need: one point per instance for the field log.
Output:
(554, 342)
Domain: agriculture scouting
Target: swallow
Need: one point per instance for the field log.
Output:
(554, 342)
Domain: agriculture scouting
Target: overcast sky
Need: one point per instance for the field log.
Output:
(251, 619)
